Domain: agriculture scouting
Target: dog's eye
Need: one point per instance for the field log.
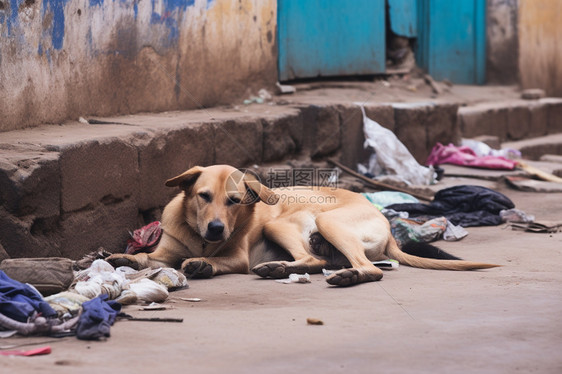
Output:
(232, 200)
(205, 196)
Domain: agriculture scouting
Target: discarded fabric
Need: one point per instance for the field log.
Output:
(465, 156)
(32, 352)
(144, 239)
(386, 198)
(405, 231)
(96, 319)
(463, 205)
(22, 309)
(66, 302)
(19, 301)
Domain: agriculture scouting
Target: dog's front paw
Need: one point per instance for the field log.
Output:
(274, 269)
(117, 260)
(197, 269)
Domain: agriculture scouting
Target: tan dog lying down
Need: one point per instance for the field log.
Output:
(225, 221)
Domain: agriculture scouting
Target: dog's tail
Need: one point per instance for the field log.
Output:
(449, 263)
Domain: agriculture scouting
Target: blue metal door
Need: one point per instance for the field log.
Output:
(330, 37)
(452, 39)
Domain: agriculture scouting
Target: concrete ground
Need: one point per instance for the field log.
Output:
(502, 320)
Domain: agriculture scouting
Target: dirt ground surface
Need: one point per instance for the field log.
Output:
(502, 320)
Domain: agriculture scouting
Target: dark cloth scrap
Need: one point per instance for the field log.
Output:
(464, 205)
(97, 317)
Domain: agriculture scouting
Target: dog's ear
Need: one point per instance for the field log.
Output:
(257, 191)
(186, 179)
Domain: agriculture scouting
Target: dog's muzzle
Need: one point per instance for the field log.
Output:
(215, 230)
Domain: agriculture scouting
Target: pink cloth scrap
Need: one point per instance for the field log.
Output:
(34, 352)
(144, 239)
(465, 156)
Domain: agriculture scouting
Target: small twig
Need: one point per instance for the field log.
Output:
(128, 317)
(429, 80)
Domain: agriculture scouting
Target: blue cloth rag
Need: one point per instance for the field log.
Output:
(19, 301)
(97, 317)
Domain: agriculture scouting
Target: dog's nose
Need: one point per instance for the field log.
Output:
(215, 228)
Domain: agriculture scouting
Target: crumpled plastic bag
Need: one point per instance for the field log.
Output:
(126, 284)
(482, 149)
(391, 157)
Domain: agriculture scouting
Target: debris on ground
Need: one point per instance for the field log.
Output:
(314, 321)
(538, 227)
(284, 89)
(88, 306)
(32, 352)
(295, 278)
(262, 97)
(144, 239)
(48, 275)
(464, 205)
(533, 94)
(466, 156)
(390, 157)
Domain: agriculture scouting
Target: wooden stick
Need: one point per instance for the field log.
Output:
(379, 185)
(539, 173)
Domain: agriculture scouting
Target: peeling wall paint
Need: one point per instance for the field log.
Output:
(61, 59)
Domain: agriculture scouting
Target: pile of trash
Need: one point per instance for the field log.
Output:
(445, 217)
(82, 302)
(451, 209)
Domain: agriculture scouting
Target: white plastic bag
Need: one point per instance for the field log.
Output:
(391, 157)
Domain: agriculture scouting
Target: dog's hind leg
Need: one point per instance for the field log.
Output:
(288, 233)
(348, 233)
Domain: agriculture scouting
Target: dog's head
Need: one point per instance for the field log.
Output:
(219, 199)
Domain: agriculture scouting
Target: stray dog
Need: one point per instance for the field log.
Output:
(226, 221)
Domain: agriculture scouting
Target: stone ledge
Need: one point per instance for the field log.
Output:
(512, 120)
(66, 190)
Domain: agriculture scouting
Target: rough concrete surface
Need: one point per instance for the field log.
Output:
(503, 320)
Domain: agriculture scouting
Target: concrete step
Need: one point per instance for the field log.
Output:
(535, 148)
(68, 189)
(512, 119)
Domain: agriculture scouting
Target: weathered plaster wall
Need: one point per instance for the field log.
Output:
(540, 46)
(63, 59)
(502, 42)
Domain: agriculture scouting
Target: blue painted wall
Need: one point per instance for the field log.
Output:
(330, 37)
(452, 40)
(403, 17)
